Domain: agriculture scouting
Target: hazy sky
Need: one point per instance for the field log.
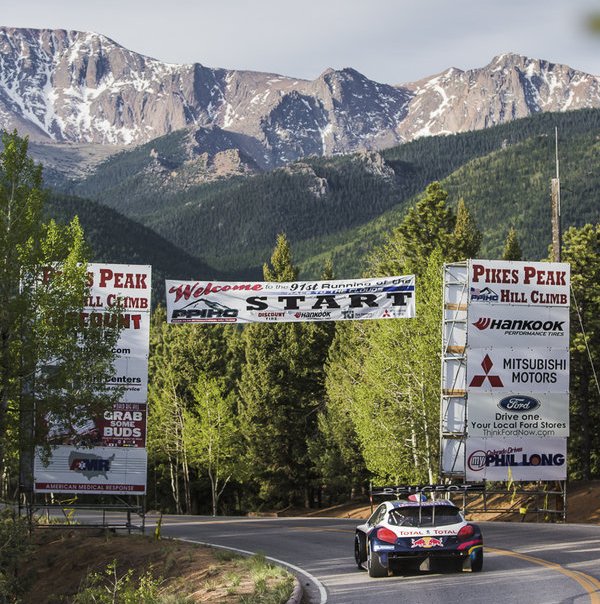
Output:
(391, 41)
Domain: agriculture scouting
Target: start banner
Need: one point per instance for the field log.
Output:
(297, 301)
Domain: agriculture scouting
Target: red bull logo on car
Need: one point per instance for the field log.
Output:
(426, 542)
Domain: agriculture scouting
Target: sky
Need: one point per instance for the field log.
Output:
(389, 41)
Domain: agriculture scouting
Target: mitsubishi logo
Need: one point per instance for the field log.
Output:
(478, 380)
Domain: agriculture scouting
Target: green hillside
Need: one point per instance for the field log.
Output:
(344, 205)
(115, 238)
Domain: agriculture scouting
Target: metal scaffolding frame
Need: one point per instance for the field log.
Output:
(453, 400)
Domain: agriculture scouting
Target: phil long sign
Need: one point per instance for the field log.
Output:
(259, 302)
(516, 459)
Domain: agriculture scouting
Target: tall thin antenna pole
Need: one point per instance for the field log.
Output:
(556, 227)
(556, 150)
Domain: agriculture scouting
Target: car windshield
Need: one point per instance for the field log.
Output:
(439, 515)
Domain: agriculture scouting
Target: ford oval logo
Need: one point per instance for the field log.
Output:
(519, 402)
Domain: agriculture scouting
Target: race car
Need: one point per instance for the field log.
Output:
(404, 534)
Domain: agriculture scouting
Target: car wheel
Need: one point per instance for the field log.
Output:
(374, 565)
(359, 552)
(477, 560)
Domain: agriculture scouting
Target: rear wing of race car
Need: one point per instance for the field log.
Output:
(422, 490)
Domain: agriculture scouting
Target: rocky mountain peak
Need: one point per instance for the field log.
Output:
(81, 87)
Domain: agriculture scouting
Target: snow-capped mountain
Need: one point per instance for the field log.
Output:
(69, 86)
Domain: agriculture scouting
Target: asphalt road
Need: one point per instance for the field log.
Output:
(523, 563)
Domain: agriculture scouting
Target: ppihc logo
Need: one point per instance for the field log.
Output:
(484, 295)
(205, 310)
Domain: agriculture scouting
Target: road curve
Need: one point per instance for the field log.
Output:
(524, 563)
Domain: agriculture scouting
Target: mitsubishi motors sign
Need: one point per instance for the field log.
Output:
(517, 370)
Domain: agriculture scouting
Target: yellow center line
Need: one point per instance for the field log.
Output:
(589, 583)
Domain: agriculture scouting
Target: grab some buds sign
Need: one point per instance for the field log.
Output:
(258, 302)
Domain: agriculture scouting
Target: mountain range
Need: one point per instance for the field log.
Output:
(79, 87)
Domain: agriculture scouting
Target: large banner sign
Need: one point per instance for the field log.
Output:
(517, 370)
(505, 282)
(107, 455)
(99, 470)
(507, 459)
(257, 302)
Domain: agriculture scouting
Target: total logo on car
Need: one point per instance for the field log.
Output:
(402, 535)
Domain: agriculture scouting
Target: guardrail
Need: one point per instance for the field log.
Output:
(82, 515)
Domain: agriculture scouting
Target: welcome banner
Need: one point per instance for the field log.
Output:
(296, 301)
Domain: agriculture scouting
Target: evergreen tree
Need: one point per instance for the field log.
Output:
(427, 226)
(467, 237)
(281, 267)
(316, 339)
(582, 250)
(279, 392)
(512, 249)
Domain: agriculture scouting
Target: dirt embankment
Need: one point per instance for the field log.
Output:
(61, 559)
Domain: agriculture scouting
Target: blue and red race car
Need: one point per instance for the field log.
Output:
(405, 534)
